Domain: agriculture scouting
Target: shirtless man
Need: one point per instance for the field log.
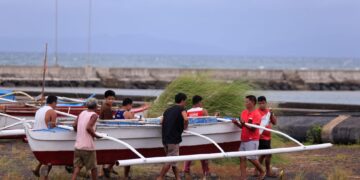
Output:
(125, 113)
(106, 113)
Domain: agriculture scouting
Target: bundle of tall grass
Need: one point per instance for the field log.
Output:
(218, 96)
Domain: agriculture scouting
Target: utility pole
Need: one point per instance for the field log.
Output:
(56, 33)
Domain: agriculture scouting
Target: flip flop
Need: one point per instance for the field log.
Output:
(281, 174)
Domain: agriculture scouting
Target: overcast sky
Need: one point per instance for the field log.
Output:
(299, 28)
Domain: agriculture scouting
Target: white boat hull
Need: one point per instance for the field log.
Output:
(56, 147)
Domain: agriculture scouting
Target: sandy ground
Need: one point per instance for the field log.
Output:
(338, 162)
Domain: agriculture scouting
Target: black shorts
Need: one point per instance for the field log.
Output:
(264, 144)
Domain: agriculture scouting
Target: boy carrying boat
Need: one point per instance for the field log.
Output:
(174, 122)
(45, 118)
(197, 110)
(84, 126)
(265, 137)
(106, 107)
(106, 113)
(249, 136)
(123, 113)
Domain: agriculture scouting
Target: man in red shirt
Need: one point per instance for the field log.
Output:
(197, 110)
(265, 137)
(249, 136)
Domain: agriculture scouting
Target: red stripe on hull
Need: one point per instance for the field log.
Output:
(110, 156)
(13, 137)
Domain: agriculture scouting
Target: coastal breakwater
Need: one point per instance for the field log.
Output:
(158, 78)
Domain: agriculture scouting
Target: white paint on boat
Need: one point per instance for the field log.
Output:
(138, 136)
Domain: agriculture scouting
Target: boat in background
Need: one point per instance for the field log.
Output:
(27, 109)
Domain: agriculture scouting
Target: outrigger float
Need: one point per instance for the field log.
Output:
(133, 142)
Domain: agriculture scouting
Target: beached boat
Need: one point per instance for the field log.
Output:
(10, 128)
(9, 105)
(67, 107)
(56, 146)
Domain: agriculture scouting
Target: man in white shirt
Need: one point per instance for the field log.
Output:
(45, 118)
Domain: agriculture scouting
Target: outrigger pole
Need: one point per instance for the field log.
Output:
(168, 159)
(27, 104)
(32, 98)
(105, 136)
(13, 132)
(17, 92)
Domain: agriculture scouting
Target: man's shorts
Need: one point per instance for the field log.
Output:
(172, 150)
(249, 146)
(264, 144)
(85, 159)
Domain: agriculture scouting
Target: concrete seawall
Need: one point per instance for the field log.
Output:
(343, 129)
(158, 78)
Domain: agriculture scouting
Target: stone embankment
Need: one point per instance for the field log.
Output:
(142, 78)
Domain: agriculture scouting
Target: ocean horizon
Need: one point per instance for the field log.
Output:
(178, 61)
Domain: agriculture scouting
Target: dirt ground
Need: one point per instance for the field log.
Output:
(338, 162)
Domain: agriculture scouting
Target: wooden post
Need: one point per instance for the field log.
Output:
(44, 72)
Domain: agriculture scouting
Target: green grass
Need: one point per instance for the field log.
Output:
(219, 96)
(339, 174)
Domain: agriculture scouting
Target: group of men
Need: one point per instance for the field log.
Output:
(174, 122)
(84, 126)
(251, 139)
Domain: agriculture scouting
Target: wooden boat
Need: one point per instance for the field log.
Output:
(24, 110)
(56, 146)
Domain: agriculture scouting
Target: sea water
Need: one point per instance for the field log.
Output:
(179, 61)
